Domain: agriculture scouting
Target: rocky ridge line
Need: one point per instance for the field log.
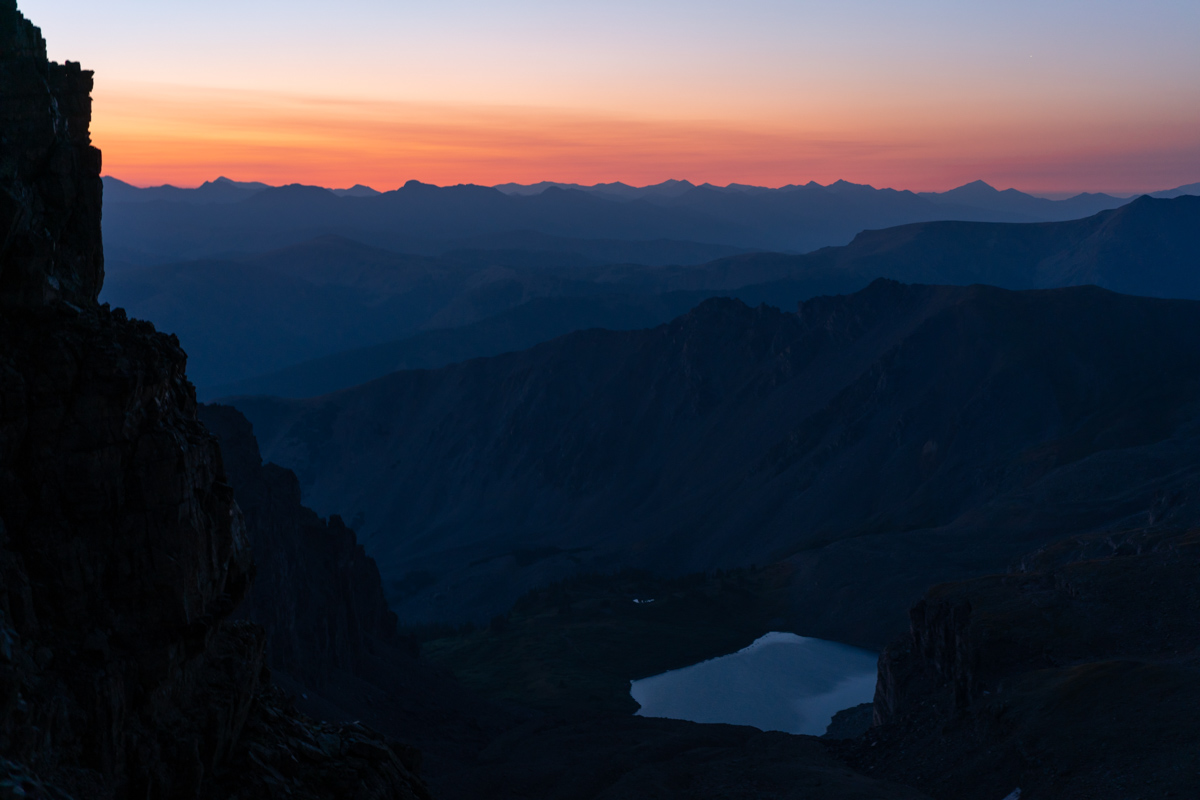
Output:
(50, 243)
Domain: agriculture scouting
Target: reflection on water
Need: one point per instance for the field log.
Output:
(782, 682)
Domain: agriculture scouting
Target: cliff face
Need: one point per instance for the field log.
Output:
(50, 190)
(1074, 678)
(122, 552)
(315, 589)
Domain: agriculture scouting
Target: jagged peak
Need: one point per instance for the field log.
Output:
(19, 38)
(50, 208)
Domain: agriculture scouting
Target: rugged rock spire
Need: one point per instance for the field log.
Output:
(50, 189)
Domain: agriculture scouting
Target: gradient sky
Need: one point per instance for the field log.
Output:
(1051, 96)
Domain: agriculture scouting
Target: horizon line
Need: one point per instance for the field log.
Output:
(1050, 195)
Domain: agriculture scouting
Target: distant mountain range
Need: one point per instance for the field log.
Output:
(1145, 248)
(975, 197)
(163, 224)
(878, 443)
(246, 315)
(1191, 188)
(258, 279)
(331, 313)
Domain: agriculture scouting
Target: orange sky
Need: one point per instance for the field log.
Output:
(153, 134)
(1044, 95)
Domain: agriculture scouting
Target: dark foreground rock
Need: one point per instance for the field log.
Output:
(332, 641)
(285, 754)
(123, 556)
(1078, 677)
(851, 723)
(50, 247)
(635, 758)
(316, 591)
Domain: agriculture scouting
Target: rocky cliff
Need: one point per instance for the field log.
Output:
(315, 590)
(50, 247)
(123, 555)
(1075, 677)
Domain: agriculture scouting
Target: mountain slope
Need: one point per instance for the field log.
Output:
(243, 316)
(1147, 247)
(238, 320)
(1144, 248)
(1179, 191)
(897, 420)
(539, 320)
(1071, 677)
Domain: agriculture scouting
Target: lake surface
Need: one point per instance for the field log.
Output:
(782, 682)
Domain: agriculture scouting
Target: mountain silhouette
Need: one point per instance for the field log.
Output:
(167, 224)
(1191, 188)
(1143, 248)
(221, 190)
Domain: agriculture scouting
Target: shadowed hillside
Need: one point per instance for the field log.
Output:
(899, 420)
(1072, 677)
(1145, 248)
(251, 324)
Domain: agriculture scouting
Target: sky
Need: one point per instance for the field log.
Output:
(1052, 97)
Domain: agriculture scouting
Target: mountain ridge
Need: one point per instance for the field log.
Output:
(792, 219)
(696, 445)
(979, 187)
(1142, 248)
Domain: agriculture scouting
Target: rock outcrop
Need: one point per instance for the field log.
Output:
(881, 442)
(332, 641)
(123, 556)
(50, 190)
(1074, 678)
(315, 589)
(123, 553)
